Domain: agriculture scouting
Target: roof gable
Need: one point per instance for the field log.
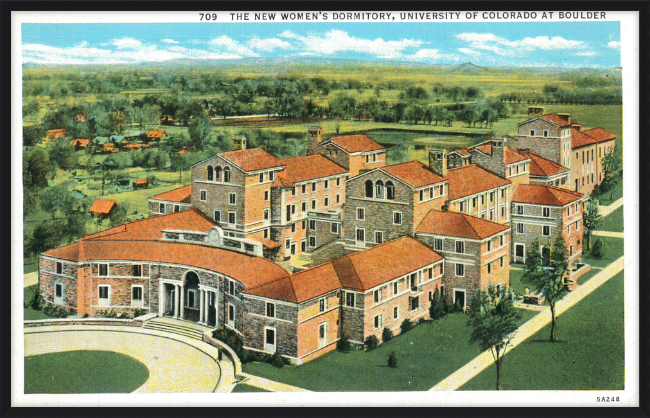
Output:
(472, 179)
(414, 173)
(304, 168)
(355, 143)
(182, 195)
(454, 224)
(545, 195)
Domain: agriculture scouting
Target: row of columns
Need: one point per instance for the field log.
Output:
(179, 302)
(204, 298)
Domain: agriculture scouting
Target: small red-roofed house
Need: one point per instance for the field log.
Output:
(140, 183)
(54, 134)
(175, 200)
(477, 253)
(102, 208)
(543, 213)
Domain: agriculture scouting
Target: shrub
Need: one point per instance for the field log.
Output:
(139, 312)
(598, 250)
(37, 300)
(231, 339)
(438, 306)
(124, 315)
(458, 307)
(110, 314)
(406, 326)
(372, 342)
(343, 344)
(277, 361)
(392, 360)
(86, 315)
(386, 335)
(55, 311)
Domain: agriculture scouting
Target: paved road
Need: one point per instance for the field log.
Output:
(606, 210)
(175, 363)
(485, 359)
(608, 234)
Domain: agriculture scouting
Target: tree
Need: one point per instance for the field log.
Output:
(548, 280)
(35, 170)
(118, 215)
(599, 249)
(63, 155)
(33, 134)
(45, 236)
(591, 219)
(611, 167)
(57, 198)
(30, 107)
(494, 320)
(198, 131)
(437, 308)
(30, 202)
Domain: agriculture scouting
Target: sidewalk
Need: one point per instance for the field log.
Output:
(485, 359)
(270, 385)
(31, 279)
(608, 234)
(606, 210)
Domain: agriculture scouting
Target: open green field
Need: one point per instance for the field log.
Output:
(590, 353)
(425, 355)
(83, 372)
(243, 388)
(613, 222)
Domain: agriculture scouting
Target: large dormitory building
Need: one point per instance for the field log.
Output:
(377, 240)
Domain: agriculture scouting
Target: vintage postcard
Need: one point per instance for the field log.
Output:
(325, 208)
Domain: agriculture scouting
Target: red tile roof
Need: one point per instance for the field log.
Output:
(357, 271)
(299, 169)
(540, 166)
(156, 134)
(252, 159)
(544, 195)
(414, 173)
(600, 134)
(454, 224)
(556, 119)
(472, 179)
(181, 195)
(82, 142)
(510, 156)
(103, 205)
(356, 143)
(141, 181)
(580, 139)
(485, 148)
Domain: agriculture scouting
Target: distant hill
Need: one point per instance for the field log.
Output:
(469, 68)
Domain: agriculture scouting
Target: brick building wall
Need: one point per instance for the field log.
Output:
(310, 318)
(362, 162)
(352, 318)
(48, 277)
(322, 232)
(284, 323)
(548, 147)
(481, 204)
(169, 207)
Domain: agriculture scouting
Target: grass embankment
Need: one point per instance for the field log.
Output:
(613, 222)
(590, 353)
(83, 372)
(425, 355)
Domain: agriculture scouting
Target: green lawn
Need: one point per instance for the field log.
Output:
(243, 387)
(605, 200)
(589, 356)
(425, 356)
(613, 222)
(83, 372)
(29, 312)
(613, 250)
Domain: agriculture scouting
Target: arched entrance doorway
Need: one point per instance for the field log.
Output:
(191, 299)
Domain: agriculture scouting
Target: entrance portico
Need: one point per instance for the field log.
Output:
(188, 300)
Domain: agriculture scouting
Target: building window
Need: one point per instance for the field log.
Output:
(532, 132)
(161, 209)
(415, 303)
(545, 133)
(390, 191)
(266, 195)
(287, 243)
(396, 312)
(217, 173)
(474, 202)
(226, 174)
(322, 305)
(137, 270)
(361, 214)
(313, 204)
(266, 214)
(379, 189)
(293, 227)
(489, 268)
(520, 210)
(338, 198)
(59, 268)
(571, 250)
(491, 196)
(520, 228)
(312, 241)
(378, 321)
(104, 295)
(502, 240)
(460, 270)
(377, 296)
(270, 310)
(422, 195)
(349, 299)
(327, 184)
(437, 244)
(177, 208)
(136, 296)
(338, 181)
(546, 231)
(369, 188)
(233, 198)
(103, 269)
(217, 216)
(335, 228)
(327, 201)
(232, 217)
(397, 218)
(266, 233)
(489, 245)
(58, 293)
(395, 288)
(462, 206)
(304, 188)
(312, 225)
(271, 175)
(210, 173)
(501, 261)
(379, 237)
(231, 288)
(460, 247)
(204, 195)
(313, 187)
(503, 193)
(361, 235)
(261, 177)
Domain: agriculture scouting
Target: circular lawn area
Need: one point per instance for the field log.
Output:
(86, 371)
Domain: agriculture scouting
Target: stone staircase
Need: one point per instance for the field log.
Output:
(177, 326)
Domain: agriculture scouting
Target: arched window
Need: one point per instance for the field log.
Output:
(217, 173)
(369, 188)
(226, 174)
(390, 190)
(379, 189)
(209, 173)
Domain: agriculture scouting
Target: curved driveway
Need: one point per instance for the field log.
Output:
(175, 363)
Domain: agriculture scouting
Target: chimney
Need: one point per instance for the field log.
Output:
(535, 111)
(565, 116)
(499, 156)
(576, 126)
(315, 138)
(438, 161)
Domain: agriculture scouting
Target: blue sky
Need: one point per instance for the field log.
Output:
(529, 44)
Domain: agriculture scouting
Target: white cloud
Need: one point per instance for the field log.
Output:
(169, 41)
(127, 43)
(614, 44)
(587, 53)
(339, 41)
(502, 46)
(230, 45)
(468, 51)
(268, 44)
